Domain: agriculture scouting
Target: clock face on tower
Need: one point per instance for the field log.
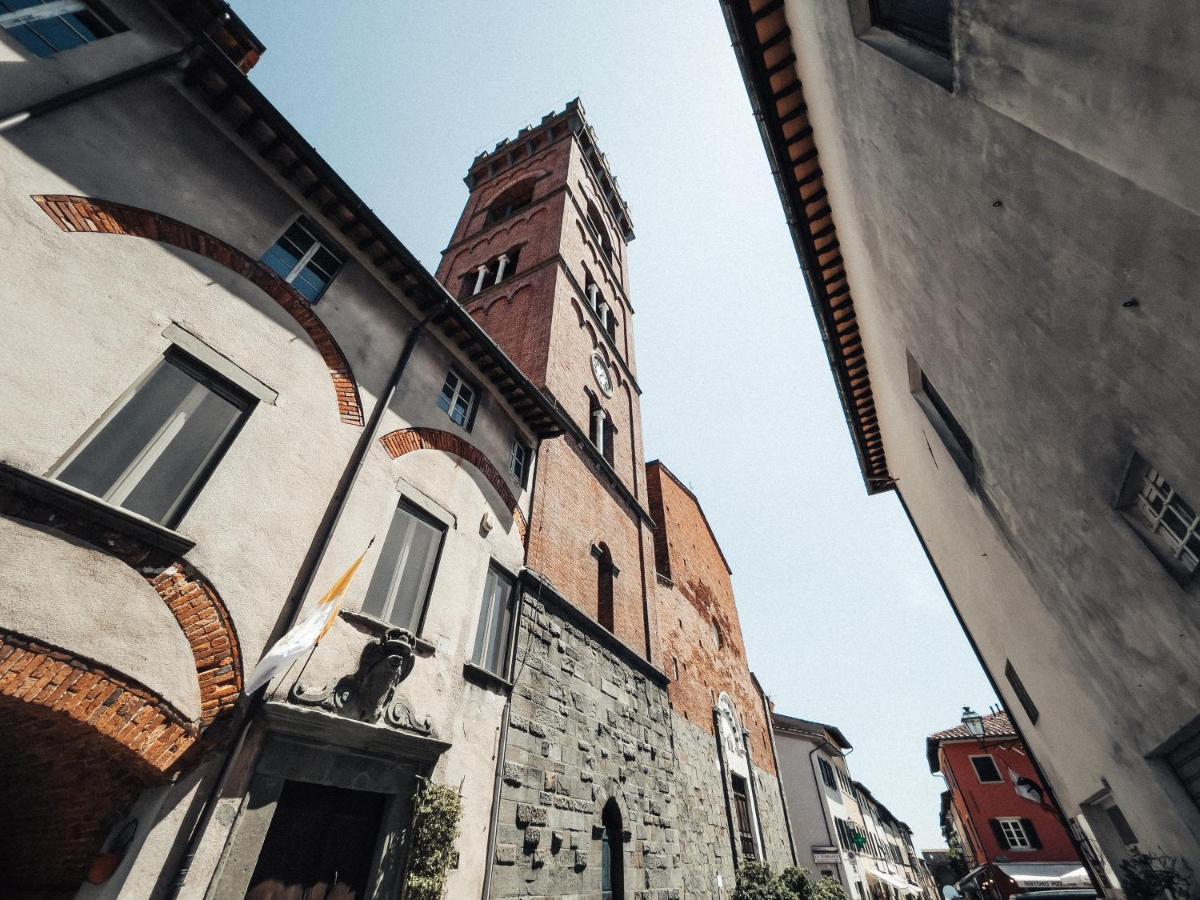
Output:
(603, 377)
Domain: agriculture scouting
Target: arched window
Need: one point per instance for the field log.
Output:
(606, 576)
(612, 860)
(601, 429)
(597, 223)
(510, 202)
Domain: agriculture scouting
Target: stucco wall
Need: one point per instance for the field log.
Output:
(1001, 258)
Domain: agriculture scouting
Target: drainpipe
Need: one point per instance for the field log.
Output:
(301, 587)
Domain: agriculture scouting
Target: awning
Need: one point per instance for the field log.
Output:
(1046, 875)
(898, 883)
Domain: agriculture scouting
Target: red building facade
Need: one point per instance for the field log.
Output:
(1002, 815)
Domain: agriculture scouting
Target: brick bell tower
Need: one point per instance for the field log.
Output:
(539, 259)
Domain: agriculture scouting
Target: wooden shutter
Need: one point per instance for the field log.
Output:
(999, 833)
(1031, 834)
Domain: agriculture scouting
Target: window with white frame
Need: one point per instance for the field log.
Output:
(399, 588)
(154, 450)
(493, 634)
(458, 399)
(1015, 835)
(518, 461)
(985, 769)
(303, 259)
(46, 27)
(1164, 519)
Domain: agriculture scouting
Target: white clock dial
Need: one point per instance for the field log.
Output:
(603, 377)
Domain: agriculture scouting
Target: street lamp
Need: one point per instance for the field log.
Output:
(973, 721)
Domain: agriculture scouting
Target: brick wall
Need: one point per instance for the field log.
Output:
(699, 595)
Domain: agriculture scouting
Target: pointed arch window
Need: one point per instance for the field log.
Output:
(510, 202)
(596, 221)
(606, 577)
(602, 432)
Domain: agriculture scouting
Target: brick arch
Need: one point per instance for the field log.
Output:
(75, 214)
(407, 440)
(189, 596)
(79, 744)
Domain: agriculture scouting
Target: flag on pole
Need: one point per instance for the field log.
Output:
(306, 634)
(1025, 787)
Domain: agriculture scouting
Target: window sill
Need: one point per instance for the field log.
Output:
(68, 499)
(484, 678)
(938, 69)
(377, 628)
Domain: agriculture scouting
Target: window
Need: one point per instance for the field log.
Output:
(518, 461)
(603, 433)
(1022, 695)
(153, 452)
(457, 400)
(400, 586)
(1016, 834)
(827, 773)
(842, 833)
(303, 260)
(943, 421)
(924, 22)
(510, 202)
(606, 576)
(597, 223)
(985, 769)
(46, 27)
(1120, 825)
(495, 270)
(742, 820)
(1184, 759)
(1168, 524)
(492, 637)
(612, 857)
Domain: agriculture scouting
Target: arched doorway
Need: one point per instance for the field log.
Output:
(612, 857)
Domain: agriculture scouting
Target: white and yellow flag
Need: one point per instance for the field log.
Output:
(306, 634)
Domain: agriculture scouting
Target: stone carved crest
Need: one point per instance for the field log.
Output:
(369, 694)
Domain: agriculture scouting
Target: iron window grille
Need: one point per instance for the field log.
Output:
(458, 400)
(1167, 522)
(304, 260)
(46, 27)
(154, 450)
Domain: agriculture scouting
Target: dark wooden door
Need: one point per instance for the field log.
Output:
(319, 845)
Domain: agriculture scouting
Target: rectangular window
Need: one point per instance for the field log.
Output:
(985, 770)
(944, 422)
(1120, 825)
(153, 452)
(741, 810)
(46, 27)
(1022, 695)
(403, 576)
(457, 400)
(1168, 524)
(518, 461)
(827, 773)
(924, 22)
(302, 259)
(1014, 834)
(492, 637)
(1184, 760)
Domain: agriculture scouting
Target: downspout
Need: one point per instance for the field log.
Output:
(1037, 767)
(302, 585)
(762, 838)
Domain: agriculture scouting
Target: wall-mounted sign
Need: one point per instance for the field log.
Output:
(826, 855)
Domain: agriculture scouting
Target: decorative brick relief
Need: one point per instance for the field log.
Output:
(88, 215)
(407, 440)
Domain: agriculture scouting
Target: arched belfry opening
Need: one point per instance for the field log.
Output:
(612, 857)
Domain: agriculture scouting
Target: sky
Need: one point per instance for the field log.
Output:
(843, 620)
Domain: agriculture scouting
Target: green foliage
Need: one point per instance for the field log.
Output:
(755, 882)
(437, 812)
(1148, 877)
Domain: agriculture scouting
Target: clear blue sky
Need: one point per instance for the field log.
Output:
(843, 619)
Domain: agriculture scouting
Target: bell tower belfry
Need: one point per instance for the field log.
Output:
(539, 258)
